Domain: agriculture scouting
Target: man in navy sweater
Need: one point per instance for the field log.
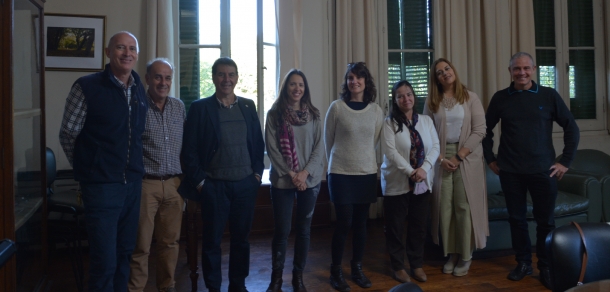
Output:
(101, 134)
(526, 158)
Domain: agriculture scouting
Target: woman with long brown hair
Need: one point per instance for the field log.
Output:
(293, 136)
(459, 201)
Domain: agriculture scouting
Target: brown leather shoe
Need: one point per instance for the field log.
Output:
(419, 275)
(401, 276)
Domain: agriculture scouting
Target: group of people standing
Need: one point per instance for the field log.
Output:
(433, 167)
(137, 154)
(432, 164)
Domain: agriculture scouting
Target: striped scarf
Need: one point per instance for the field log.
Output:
(287, 144)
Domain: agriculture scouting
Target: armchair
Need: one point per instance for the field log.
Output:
(596, 164)
(565, 252)
(578, 199)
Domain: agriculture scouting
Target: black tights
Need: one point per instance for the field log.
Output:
(349, 215)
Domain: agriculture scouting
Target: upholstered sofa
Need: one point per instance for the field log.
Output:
(579, 199)
(596, 164)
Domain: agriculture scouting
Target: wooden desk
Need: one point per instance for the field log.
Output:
(262, 221)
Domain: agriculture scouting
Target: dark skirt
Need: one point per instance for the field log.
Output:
(352, 189)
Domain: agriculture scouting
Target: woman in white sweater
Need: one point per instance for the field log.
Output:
(351, 133)
(410, 147)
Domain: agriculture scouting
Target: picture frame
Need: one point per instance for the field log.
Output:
(74, 42)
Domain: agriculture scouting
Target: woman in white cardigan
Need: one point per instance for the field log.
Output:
(410, 147)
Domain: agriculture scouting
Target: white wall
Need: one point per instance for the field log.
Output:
(120, 15)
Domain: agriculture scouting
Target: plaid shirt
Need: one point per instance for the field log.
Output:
(75, 114)
(162, 137)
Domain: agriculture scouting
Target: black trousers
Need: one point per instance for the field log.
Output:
(414, 209)
(543, 190)
(224, 201)
(348, 216)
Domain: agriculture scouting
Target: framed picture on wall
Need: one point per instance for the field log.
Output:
(74, 42)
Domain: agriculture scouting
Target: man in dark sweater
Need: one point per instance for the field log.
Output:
(222, 154)
(101, 134)
(526, 158)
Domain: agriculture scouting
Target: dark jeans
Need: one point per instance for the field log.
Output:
(415, 209)
(283, 200)
(233, 201)
(543, 190)
(112, 212)
(349, 215)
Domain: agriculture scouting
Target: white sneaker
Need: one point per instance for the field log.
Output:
(462, 268)
(450, 265)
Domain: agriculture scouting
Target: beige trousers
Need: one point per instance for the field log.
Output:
(455, 221)
(160, 213)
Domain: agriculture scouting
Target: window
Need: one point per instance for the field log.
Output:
(244, 30)
(569, 53)
(410, 50)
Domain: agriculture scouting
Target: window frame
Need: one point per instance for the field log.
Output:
(225, 48)
(562, 61)
(403, 50)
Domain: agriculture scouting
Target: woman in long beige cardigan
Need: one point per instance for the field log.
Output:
(459, 195)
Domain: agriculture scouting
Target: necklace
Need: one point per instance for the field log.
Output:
(448, 102)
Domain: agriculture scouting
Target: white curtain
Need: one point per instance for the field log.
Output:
(479, 37)
(290, 32)
(160, 33)
(278, 64)
(358, 39)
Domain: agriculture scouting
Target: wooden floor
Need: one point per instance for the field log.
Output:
(487, 273)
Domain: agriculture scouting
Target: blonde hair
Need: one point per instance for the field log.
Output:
(435, 88)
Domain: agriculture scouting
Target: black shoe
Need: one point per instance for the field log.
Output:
(336, 279)
(213, 290)
(545, 278)
(358, 276)
(297, 282)
(520, 271)
(276, 281)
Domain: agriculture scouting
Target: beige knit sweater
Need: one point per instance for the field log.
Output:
(351, 137)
